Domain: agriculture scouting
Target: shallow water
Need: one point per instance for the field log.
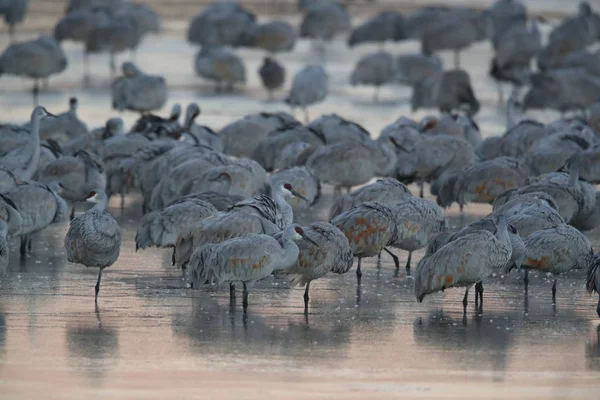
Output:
(153, 338)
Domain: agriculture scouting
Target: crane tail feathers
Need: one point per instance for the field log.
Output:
(592, 272)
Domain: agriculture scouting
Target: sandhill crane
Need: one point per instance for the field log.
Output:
(516, 141)
(23, 161)
(94, 238)
(587, 221)
(222, 23)
(114, 35)
(375, 69)
(304, 181)
(584, 59)
(219, 200)
(353, 163)
(13, 12)
(556, 250)
(507, 15)
(425, 19)
(220, 65)
(274, 37)
(39, 206)
(161, 228)
(156, 125)
(458, 125)
(246, 259)
(531, 214)
(593, 279)
(76, 25)
(5, 250)
(448, 91)
(64, 127)
(241, 137)
(387, 25)
(553, 151)
(310, 86)
(267, 151)
(323, 20)
(369, 228)
(482, 182)
(137, 91)
(35, 59)
(384, 191)
(513, 53)
(77, 174)
(457, 34)
(422, 219)
(332, 253)
(562, 90)
(336, 129)
(272, 75)
(259, 214)
(414, 68)
(464, 262)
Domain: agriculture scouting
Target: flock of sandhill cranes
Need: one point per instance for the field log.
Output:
(225, 201)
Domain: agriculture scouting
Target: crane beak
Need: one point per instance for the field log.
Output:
(309, 240)
(298, 195)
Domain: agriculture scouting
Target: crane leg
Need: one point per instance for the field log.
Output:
(72, 216)
(408, 261)
(11, 33)
(479, 293)
(526, 280)
(23, 248)
(358, 271)
(376, 95)
(500, 93)
(306, 298)
(456, 59)
(421, 185)
(554, 292)
(337, 191)
(113, 66)
(598, 306)
(231, 291)
(245, 302)
(29, 241)
(394, 257)
(465, 300)
(36, 92)
(306, 116)
(98, 284)
(86, 68)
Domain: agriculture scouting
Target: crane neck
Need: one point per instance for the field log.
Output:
(284, 207)
(290, 254)
(502, 232)
(388, 161)
(102, 203)
(34, 145)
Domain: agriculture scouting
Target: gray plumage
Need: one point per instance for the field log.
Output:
(324, 20)
(220, 65)
(587, 221)
(457, 34)
(448, 91)
(425, 19)
(352, 163)
(23, 161)
(222, 23)
(482, 182)
(137, 91)
(64, 127)
(593, 279)
(375, 69)
(5, 249)
(266, 152)
(562, 90)
(161, 228)
(507, 15)
(531, 215)
(14, 12)
(464, 262)
(274, 37)
(272, 74)
(457, 124)
(583, 59)
(420, 220)
(79, 175)
(384, 191)
(304, 181)
(245, 259)
(310, 86)
(516, 141)
(369, 228)
(336, 129)
(200, 134)
(220, 201)
(241, 137)
(94, 238)
(34, 59)
(333, 254)
(385, 26)
(414, 68)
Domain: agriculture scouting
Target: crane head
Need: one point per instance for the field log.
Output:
(299, 234)
(91, 196)
(289, 191)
